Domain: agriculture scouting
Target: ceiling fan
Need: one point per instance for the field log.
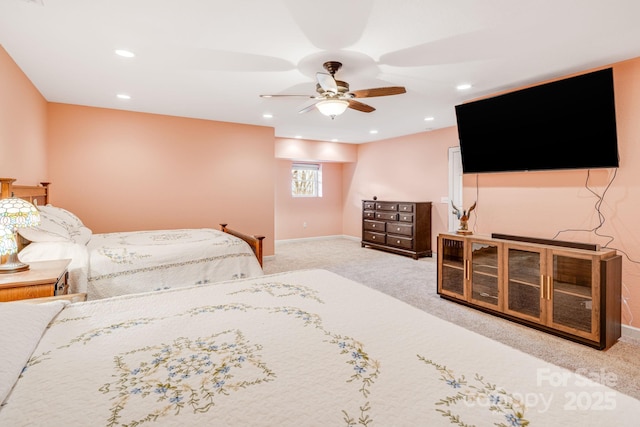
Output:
(334, 96)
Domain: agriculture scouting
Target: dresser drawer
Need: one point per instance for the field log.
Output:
(26, 292)
(369, 214)
(400, 228)
(387, 216)
(405, 207)
(370, 236)
(368, 206)
(399, 241)
(386, 206)
(374, 225)
(406, 217)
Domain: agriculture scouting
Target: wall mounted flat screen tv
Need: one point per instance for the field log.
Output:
(566, 124)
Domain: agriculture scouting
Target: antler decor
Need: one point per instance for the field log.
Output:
(463, 216)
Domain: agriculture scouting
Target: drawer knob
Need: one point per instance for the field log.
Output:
(373, 237)
(398, 228)
(373, 226)
(398, 242)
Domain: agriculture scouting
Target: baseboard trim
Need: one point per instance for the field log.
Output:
(630, 332)
(306, 239)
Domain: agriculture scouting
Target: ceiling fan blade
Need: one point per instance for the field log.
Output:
(327, 82)
(308, 108)
(357, 105)
(379, 91)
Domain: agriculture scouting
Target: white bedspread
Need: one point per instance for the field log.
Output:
(124, 263)
(112, 264)
(306, 348)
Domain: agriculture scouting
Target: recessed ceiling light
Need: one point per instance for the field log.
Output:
(428, 119)
(373, 131)
(334, 140)
(125, 53)
(298, 136)
(463, 86)
(123, 96)
(267, 115)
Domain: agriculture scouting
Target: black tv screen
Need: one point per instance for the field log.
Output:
(566, 124)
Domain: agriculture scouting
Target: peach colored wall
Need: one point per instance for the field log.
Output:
(23, 121)
(408, 168)
(323, 215)
(549, 204)
(317, 151)
(122, 171)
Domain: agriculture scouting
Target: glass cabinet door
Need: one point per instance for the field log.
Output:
(524, 283)
(451, 276)
(485, 284)
(571, 295)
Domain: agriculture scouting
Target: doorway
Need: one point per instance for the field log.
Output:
(455, 186)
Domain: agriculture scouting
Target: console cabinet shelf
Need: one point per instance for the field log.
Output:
(569, 291)
(400, 227)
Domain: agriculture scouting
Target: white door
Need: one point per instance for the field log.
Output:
(455, 186)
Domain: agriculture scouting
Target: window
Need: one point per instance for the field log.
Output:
(306, 180)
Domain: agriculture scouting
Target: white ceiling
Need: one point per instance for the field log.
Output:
(211, 59)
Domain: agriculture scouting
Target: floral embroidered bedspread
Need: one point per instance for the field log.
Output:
(141, 261)
(304, 348)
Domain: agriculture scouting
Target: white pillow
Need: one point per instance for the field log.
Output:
(60, 218)
(66, 217)
(49, 230)
(22, 327)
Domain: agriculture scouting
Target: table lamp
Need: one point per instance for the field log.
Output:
(14, 213)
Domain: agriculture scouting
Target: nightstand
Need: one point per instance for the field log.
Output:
(43, 279)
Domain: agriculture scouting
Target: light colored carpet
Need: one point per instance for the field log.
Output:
(415, 282)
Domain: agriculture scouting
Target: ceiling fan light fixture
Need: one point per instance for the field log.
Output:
(332, 107)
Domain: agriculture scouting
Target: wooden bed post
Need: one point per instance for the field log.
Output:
(6, 184)
(255, 241)
(46, 191)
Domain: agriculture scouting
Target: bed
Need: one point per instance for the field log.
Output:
(306, 347)
(110, 264)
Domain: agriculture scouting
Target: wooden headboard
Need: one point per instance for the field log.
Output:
(35, 194)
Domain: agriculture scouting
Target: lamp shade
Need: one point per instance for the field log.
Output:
(17, 213)
(14, 213)
(332, 107)
(8, 243)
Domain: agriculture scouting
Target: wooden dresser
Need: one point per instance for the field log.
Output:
(400, 227)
